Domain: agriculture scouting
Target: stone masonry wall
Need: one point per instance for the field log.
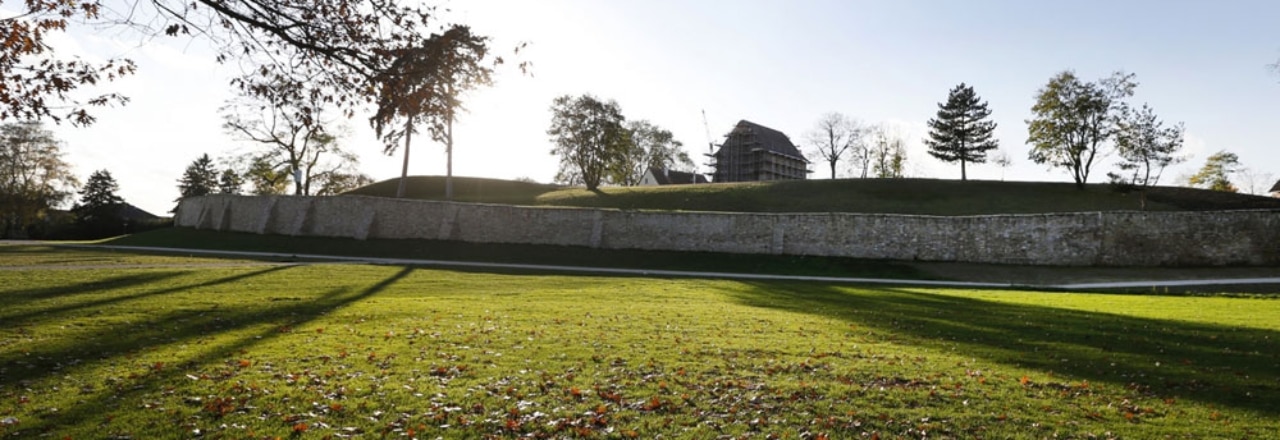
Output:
(1077, 239)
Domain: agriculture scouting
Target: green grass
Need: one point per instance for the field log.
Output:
(898, 196)
(319, 351)
(45, 255)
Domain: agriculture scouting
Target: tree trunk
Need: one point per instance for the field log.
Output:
(963, 175)
(295, 173)
(448, 153)
(404, 169)
(833, 169)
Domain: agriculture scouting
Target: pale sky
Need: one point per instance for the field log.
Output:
(781, 64)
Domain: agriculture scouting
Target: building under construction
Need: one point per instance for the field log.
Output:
(753, 152)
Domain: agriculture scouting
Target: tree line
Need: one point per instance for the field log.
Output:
(36, 179)
(303, 62)
(411, 68)
(1074, 124)
(597, 145)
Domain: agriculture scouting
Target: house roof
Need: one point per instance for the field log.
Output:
(130, 212)
(1276, 187)
(672, 177)
(747, 132)
(127, 212)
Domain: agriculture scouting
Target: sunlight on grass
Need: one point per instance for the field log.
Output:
(41, 255)
(369, 351)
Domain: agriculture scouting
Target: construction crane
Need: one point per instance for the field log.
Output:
(711, 147)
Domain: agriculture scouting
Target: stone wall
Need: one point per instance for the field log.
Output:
(1102, 239)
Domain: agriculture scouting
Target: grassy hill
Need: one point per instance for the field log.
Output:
(465, 189)
(899, 196)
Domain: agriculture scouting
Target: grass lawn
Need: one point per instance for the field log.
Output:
(50, 256)
(338, 351)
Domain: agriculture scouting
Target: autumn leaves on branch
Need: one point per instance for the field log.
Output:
(341, 54)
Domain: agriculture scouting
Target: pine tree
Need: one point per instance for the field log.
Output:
(961, 132)
(230, 182)
(98, 211)
(199, 179)
(1217, 171)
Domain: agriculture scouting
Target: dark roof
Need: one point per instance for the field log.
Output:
(672, 177)
(772, 140)
(1276, 188)
(130, 212)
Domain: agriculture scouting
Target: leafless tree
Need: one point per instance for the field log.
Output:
(1255, 182)
(287, 146)
(835, 135)
(1002, 160)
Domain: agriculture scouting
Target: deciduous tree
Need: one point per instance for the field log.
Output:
(265, 178)
(888, 153)
(834, 136)
(1255, 182)
(34, 178)
(648, 146)
(287, 144)
(1073, 120)
(36, 84)
(1146, 147)
(424, 85)
(589, 137)
(1002, 160)
(337, 183)
(961, 132)
(331, 50)
(1216, 173)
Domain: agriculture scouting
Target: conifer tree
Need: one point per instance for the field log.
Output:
(961, 132)
(98, 211)
(1217, 171)
(199, 179)
(230, 182)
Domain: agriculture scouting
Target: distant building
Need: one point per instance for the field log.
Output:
(663, 176)
(1275, 190)
(753, 152)
(134, 213)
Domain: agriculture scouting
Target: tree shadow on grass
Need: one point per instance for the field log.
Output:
(21, 315)
(179, 327)
(21, 295)
(1229, 366)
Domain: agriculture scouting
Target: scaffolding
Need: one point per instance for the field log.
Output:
(744, 157)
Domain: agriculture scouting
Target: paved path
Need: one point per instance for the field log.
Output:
(689, 274)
